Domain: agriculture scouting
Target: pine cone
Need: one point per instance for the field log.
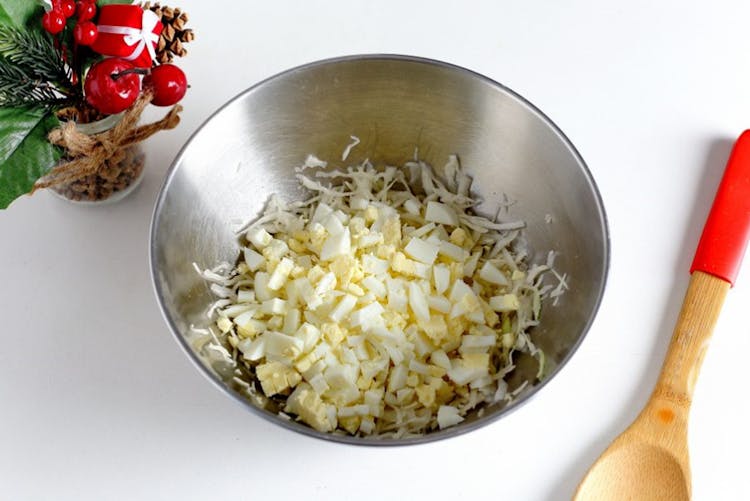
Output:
(174, 36)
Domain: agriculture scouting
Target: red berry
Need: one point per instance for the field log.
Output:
(168, 83)
(109, 92)
(85, 33)
(67, 7)
(86, 10)
(53, 22)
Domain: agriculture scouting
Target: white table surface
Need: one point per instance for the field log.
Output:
(98, 402)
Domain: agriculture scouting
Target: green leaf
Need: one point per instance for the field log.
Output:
(25, 153)
(18, 12)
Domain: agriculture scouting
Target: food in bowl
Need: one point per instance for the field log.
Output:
(382, 304)
(249, 149)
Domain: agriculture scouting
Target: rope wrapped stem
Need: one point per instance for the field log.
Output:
(89, 154)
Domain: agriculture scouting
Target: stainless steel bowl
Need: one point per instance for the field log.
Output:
(248, 149)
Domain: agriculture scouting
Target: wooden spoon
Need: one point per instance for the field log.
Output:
(649, 461)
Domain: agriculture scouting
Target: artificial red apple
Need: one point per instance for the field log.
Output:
(108, 89)
(168, 83)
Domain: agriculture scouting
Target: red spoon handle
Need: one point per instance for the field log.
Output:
(727, 229)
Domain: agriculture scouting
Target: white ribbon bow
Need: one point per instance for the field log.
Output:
(143, 39)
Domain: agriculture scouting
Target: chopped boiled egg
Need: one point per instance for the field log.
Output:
(422, 250)
(259, 237)
(253, 259)
(336, 245)
(492, 274)
(506, 302)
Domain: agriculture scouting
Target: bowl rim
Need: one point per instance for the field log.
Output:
(349, 439)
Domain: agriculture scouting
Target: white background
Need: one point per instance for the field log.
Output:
(98, 402)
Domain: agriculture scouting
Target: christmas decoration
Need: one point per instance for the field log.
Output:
(67, 7)
(109, 88)
(71, 93)
(53, 21)
(86, 11)
(129, 32)
(85, 33)
(175, 34)
(99, 168)
(168, 83)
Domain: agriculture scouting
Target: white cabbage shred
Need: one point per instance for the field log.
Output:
(380, 306)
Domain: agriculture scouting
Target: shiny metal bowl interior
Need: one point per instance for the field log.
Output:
(249, 148)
